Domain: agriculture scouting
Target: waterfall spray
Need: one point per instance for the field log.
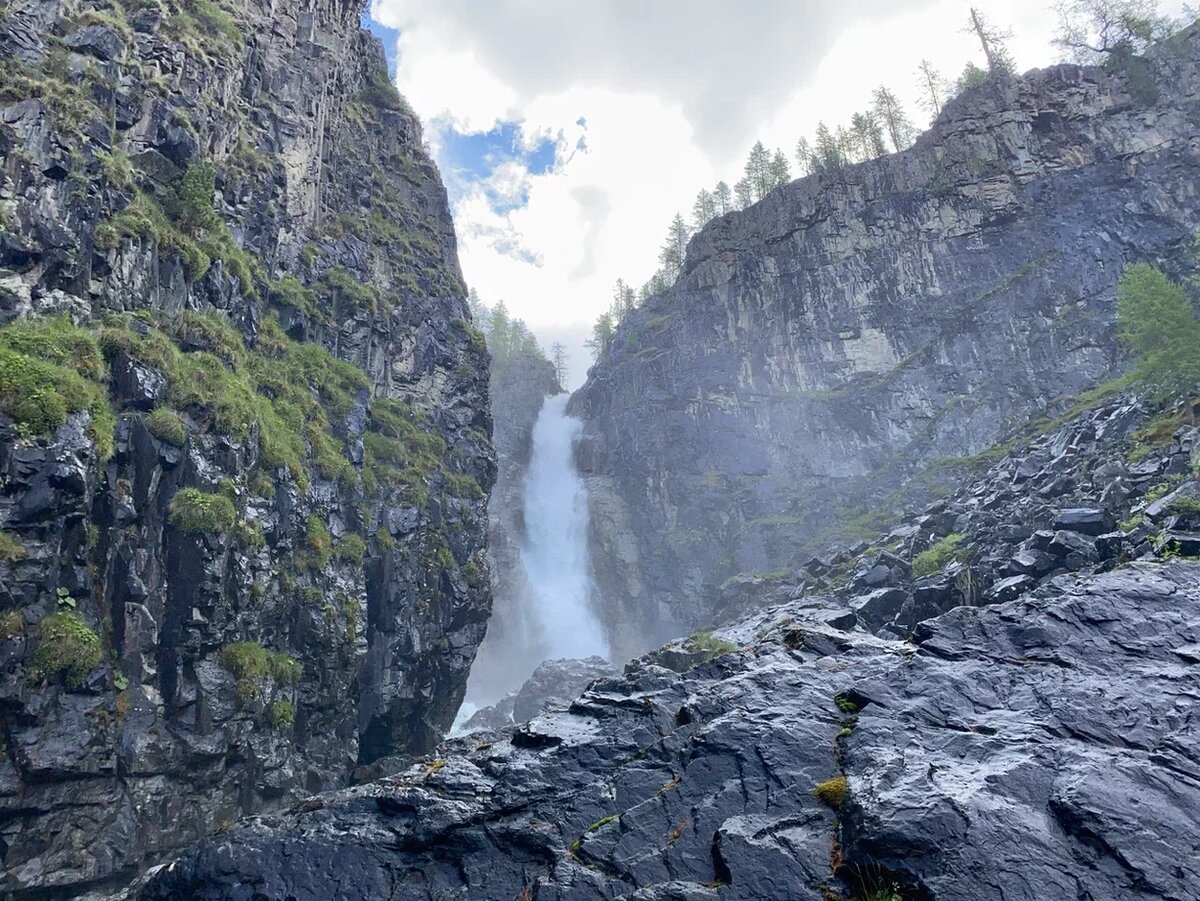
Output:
(552, 615)
(554, 552)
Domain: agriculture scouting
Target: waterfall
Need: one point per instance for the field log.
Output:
(551, 615)
(554, 552)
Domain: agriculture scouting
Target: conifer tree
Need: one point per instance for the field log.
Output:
(744, 193)
(806, 157)
(723, 198)
(558, 358)
(892, 119)
(672, 254)
(758, 171)
(704, 210)
(992, 40)
(780, 171)
(933, 88)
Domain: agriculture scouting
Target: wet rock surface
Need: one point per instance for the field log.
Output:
(329, 228)
(1038, 748)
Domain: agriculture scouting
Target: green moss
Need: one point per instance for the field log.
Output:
(66, 646)
(165, 424)
(709, 644)
(350, 289)
(50, 369)
(472, 574)
(462, 485)
(937, 557)
(475, 337)
(380, 92)
(290, 292)
(197, 512)
(318, 545)
(846, 704)
(183, 219)
(832, 792)
(281, 713)
(214, 20)
(10, 548)
(603, 821)
(351, 548)
(262, 486)
(251, 665)
(250, 535)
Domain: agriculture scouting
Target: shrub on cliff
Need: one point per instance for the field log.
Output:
(165, 424)
(197, 512)
(936, 557)
(49, 369)
(68, 646)
(1157, 324)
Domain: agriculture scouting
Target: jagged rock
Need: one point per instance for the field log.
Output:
(1064, 544)
(159, 743)
(879, 607)
(1086, 521)
(556, 683)
(1010, 588)
(1016, 751)
(98, 40)
(822, 341)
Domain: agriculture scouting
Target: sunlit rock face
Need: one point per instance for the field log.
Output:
(362, 565)
(833, 341)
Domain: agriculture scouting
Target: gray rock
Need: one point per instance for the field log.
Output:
(556, 683)
(985, 764)
(98, 40)
(1087, 521)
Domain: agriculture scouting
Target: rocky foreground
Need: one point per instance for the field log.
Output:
(1043, 748)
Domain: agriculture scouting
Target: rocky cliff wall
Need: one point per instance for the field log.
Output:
(826, 345)
(244, 442)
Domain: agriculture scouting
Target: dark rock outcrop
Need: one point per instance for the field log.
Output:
(1036, 749)
(270, 567)
(856, 327)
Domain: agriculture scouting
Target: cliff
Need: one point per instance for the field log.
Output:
(244, 428)
(837, 341)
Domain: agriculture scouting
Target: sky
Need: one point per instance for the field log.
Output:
(569, 132)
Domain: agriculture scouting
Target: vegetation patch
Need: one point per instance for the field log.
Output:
(50, 369)
(10, 548)
(252, 665)
(66, 646)
(281, 713)
(197, 512)
(165, 424)
(709, 644)
(937, 557)
(832, 792)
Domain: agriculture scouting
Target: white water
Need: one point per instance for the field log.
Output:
(554, 552)
(553, 615)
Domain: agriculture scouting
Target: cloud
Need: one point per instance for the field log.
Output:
(570, 133)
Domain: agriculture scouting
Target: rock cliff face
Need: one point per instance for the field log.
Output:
(244, 430)
(835, 339)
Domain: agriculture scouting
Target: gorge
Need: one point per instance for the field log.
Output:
(865, 565)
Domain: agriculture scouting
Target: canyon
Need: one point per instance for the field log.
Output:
(857, 568)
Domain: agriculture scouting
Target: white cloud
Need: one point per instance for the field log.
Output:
(673, 93)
